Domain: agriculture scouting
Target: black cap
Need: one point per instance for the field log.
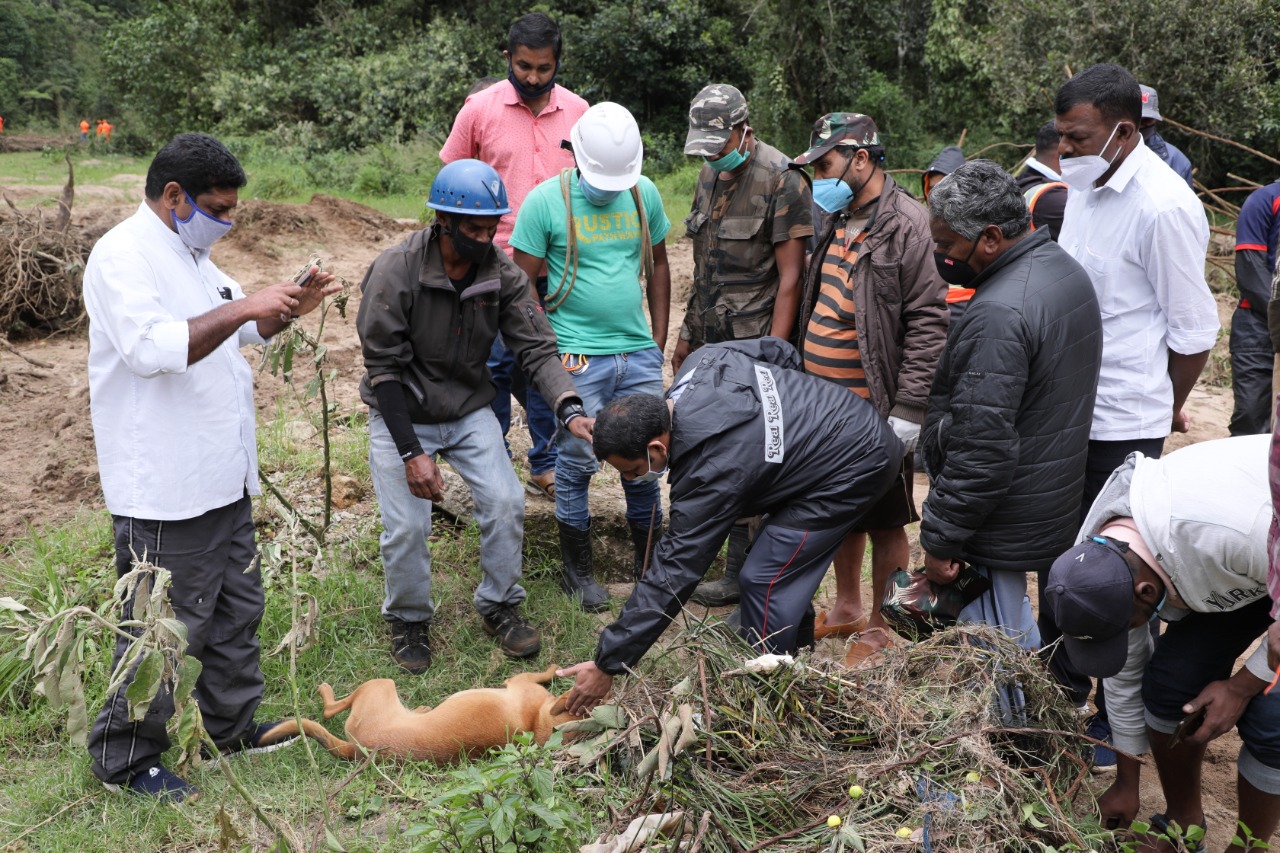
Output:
(1089, 593)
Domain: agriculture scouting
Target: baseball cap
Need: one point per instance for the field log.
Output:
(852, 129)
(1150, 103)
(712, 116)
(1089, 593)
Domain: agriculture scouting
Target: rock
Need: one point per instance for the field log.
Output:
(346, 491)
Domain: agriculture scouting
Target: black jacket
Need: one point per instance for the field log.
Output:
(1007, 431)
(802, 449)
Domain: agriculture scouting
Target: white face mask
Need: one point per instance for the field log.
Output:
(651, 476)
(1081, 172)
(200, 230)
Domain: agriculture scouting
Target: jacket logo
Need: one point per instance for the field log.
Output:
(771, 402)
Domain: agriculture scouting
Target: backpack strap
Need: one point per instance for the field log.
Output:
(570, 274)
(646, 242)
(1033, 195)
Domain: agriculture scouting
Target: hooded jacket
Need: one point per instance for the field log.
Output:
(415, 327)
(750, 434)
(1009, 414)
(901, 303)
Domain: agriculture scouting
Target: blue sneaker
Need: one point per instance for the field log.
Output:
(251, 744)
(1104, 758)
(160, 784)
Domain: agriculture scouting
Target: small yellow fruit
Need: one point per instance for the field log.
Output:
(833, 821)
(855, 791)
(973, 776)
(904, 832)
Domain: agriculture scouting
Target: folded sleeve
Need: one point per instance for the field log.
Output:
(1173, 254)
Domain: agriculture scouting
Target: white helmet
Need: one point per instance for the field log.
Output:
(607, 147)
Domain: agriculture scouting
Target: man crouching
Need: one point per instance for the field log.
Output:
(743, 432)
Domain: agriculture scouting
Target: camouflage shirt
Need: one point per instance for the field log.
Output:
(735, 223)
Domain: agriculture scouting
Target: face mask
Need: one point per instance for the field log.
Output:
(199, 230)
(469, 248)
(832, 194)
(956, 272)
(530, 94)
(733, 159)
(599, 198)
(1082, 171)
(651, 476)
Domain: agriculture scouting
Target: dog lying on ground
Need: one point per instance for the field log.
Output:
(466, 723)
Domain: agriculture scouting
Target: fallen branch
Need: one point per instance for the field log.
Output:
(1221, 139)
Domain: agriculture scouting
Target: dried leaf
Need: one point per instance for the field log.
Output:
(146, 683)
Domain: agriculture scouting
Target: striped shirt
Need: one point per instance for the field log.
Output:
(831, 348)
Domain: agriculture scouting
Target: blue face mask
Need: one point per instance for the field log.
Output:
(199, 230)
(600, 198)
(832, 194)
(651, 476)
(733, 159)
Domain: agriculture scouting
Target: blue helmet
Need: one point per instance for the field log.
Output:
(470, 187)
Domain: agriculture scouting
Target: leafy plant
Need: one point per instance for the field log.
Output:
(515, 803)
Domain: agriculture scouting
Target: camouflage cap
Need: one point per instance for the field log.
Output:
(852, 129)
(715, 111)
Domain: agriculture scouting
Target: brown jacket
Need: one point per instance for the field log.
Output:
(415, 327)
(903, 333)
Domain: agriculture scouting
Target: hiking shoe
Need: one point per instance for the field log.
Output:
(251, 744)
(517, 637)
(158, 783)
(411, 645)
(1104, 758)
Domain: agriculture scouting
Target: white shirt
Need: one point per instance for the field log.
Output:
(173, 441)
(1142, 238)
(1204, 512)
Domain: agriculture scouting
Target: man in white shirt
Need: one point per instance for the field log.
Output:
(173, 420)
(1184, 537)
(1141, 234)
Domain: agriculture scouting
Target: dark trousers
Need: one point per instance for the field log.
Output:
(1103, 459)
(782, 572)
(221, 604)
(510, 381)
(1251, 363)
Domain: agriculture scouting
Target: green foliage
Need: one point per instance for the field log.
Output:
(514, 803)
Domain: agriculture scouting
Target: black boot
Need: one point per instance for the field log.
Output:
(644, 545)
(725, 590)
(575, 571)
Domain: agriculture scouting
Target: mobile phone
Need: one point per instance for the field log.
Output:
(1188, 726)
(302, 282)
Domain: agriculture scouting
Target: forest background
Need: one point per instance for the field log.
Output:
(314, 82)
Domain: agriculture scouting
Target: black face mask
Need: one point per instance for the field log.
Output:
(956, 272)
(524, 91)
(469, 248)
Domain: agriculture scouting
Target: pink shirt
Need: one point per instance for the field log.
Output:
(495, 126)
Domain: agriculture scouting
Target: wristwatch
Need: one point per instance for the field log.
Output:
(569, 410)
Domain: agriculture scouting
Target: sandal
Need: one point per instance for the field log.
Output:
(542, 484)
(821, 630)
(1162, 827)
(863, 653)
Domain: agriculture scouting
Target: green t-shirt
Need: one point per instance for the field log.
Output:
(603, 315)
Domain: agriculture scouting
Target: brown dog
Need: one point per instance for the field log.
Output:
(467, 723)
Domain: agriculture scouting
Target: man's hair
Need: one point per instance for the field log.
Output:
(1109, 87)
(1047, 136)
(627, 424)
(198, 162)
(534, 31)
(481, 84)
(976, 195)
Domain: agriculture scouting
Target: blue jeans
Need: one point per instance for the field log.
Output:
(472, 445)
(599, 379)
(510, 381)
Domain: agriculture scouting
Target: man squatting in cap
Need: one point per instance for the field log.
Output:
(1184, 537)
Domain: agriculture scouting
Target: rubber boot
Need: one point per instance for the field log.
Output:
(725, 591)
(643, 544)
(576, 578)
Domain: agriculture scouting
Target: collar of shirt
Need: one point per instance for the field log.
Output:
(1036, 166)
(167, 235)
(512, 98)
(1126, 170)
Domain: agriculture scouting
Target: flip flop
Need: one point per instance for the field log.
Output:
(862, 653)
(821, 630)
(542, 484)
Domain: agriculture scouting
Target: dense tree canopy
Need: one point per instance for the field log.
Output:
(351, 73)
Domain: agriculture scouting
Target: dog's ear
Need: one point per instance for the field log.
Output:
(557, 707)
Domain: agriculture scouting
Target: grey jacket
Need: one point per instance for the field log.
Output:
(1009, 414)
(416, 328)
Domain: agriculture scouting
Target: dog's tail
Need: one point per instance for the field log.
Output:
(336, 745)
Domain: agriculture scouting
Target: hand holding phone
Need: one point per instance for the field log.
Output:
(1188, 726)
